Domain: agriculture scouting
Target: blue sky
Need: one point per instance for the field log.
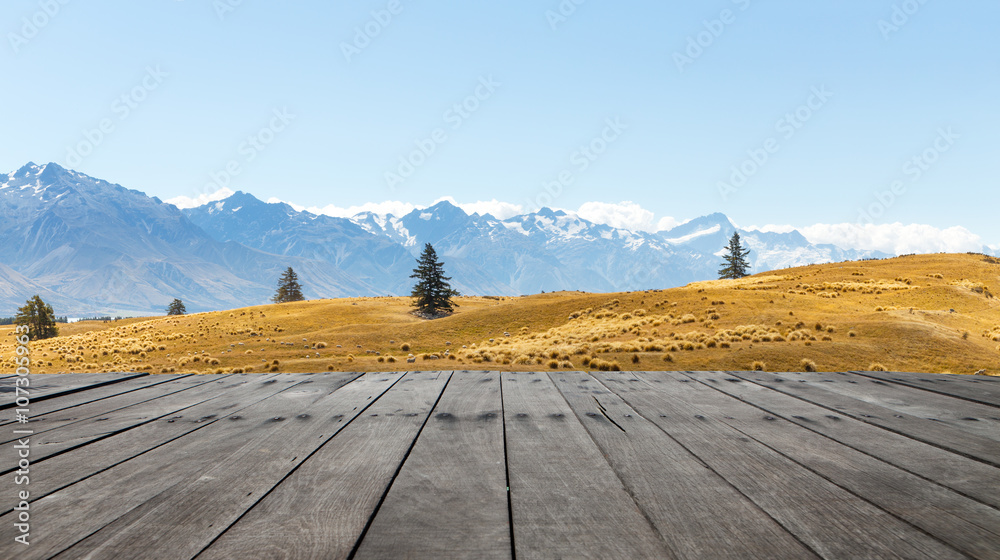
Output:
(581, 105)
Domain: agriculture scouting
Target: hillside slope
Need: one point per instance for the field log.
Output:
(926, 313)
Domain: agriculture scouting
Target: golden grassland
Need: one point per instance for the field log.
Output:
(921, 313)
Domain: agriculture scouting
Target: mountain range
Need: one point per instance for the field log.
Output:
(89, 247)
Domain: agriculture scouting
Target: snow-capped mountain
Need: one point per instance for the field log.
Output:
(99, 248)
(90, 246)
(279, 229)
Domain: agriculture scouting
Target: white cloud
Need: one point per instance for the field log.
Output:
(276, 200)
(183, 202)
(394, 207)
(668, 222)
(498, 209)
(771, 228)
(896, 238)
(625, 215)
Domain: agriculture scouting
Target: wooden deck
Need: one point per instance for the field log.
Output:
(497, 465)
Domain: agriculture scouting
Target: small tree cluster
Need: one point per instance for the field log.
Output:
(39, 318)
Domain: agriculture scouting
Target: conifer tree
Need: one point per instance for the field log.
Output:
(39, 318)
(735, 264)
(432, 294)
(176, 307)
(289, 288)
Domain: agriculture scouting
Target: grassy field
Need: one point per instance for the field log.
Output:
(922, 313)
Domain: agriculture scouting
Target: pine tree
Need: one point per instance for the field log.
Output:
(39, 318)
(176, 307)
(432, 294)
(735, 264)
(289, 288)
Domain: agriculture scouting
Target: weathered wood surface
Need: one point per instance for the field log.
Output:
(450, 498)
(923, 429)
(673, 487)
(566, 500)
(977, 388)
(828, 519)
(328, 502)
(980, 419)
(944, 514)
(498, 465)
(45, 387)
(41, 408)
(235, 394)
(966, 476)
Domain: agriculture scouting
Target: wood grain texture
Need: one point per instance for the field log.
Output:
(677, 492)
(49, 406)
(44, 387)
(828, 519)
(967, 525)
(975, 418)
(416, 465)
(185, 518)
(84, 410)
(921, 429)
(978, 388)
(69, 515)
(450, 498)
(235, 394)
(566, 500)
(326, 503)
(971, 478)
(68, 431)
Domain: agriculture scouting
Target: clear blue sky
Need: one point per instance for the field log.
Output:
(560, 81)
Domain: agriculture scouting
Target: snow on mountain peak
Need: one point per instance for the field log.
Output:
(699, 233)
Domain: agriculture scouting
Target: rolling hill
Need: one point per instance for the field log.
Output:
(922, 313)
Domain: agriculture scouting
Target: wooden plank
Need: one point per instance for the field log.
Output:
(967, 525)
(566, 501)
(65, 517)
(697, 512)
(450, 498)
(235, 393)
(921, 429)
(185, 518)
(975, 418)
(977, 388)
(829, 520)
(321, 510)
(966, 476)
(103, 409)
(76, 399)
(69, 432)
(56, 385)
